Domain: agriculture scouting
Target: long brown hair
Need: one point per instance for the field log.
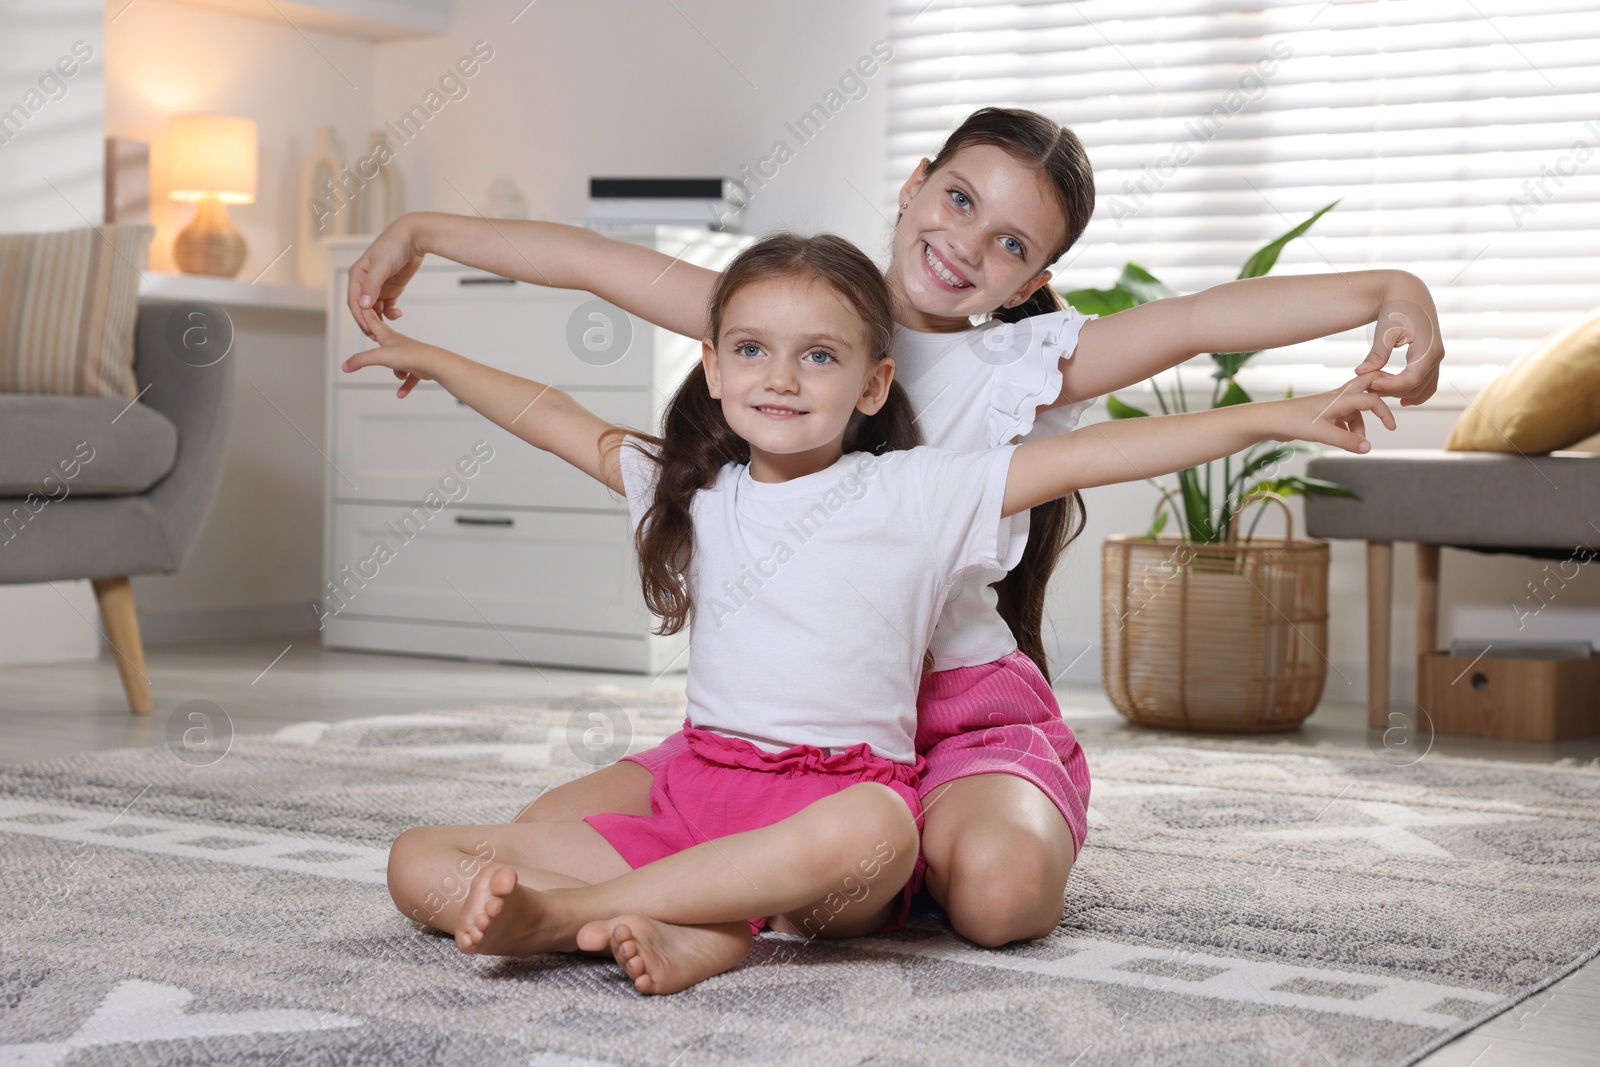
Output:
(697, 442)
(1037, 141)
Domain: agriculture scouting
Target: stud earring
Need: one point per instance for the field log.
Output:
(904, 204)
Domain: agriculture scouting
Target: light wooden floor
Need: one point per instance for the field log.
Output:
(52, 710)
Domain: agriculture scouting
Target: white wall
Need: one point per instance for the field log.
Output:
(52, 163)
(169, 59)
(634, 87)
(565, 96)
(51, 169)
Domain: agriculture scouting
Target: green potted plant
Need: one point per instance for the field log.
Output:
(1203, 629)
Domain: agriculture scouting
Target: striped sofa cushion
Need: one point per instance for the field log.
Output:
(68, 302)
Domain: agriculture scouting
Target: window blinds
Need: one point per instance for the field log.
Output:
(1462, 138)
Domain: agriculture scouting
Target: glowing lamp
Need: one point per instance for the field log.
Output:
(212, 163)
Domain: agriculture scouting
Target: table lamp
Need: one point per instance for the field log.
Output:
(212, 163)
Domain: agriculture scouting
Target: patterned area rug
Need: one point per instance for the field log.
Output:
(1237, 903)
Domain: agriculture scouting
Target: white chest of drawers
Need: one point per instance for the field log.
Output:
(448, 536)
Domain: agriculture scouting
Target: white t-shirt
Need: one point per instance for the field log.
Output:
(979, 389)
(815, 598)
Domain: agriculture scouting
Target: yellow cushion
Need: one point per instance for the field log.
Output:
(68, 302)
(1548, 399)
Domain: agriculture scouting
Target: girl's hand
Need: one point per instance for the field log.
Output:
(381, 274)
(1334, 418)
(1406, 317)
(412, 361)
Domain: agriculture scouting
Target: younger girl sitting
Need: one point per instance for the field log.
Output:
(814, 578)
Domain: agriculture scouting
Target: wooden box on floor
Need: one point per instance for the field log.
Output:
(1516, 699)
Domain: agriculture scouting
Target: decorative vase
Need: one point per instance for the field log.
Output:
(382, 198)
(323, 202)
(1230, 637)
(211, 244)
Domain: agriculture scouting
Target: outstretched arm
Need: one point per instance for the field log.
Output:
(1126, 348)
(1127, 450)
(540, 414)
(641, 281)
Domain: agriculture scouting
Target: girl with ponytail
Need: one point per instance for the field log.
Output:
(978, 229)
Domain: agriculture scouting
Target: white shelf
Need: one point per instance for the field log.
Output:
(372, 20)
(230, 292)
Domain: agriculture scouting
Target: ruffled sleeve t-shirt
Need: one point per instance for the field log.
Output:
(975, 390)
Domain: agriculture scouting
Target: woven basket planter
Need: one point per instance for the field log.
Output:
(1228, 637)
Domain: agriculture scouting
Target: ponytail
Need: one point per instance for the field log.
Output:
(696, 443)
(1052, 526)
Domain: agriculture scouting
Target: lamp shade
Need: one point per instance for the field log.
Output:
(212, 156)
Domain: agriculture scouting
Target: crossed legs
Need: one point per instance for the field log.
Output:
(834, 869)
(998, 850)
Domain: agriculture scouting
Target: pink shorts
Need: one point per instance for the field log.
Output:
(995, 718)
(706, 785)
(1002, 718)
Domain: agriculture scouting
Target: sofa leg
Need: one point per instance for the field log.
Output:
(122, 627)
(1380, 606)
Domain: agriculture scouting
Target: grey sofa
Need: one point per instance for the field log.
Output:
(1544, 506)
(100, 489)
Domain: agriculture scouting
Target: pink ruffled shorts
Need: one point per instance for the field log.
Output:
(996, 718)
(706, 785)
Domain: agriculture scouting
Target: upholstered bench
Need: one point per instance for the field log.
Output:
(1543, 505)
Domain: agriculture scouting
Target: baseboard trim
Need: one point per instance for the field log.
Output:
(185, 626)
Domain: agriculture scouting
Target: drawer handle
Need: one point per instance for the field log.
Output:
(481, 279)
(484, 520)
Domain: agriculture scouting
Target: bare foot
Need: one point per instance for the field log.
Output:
(501, 918)
(663, 957)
